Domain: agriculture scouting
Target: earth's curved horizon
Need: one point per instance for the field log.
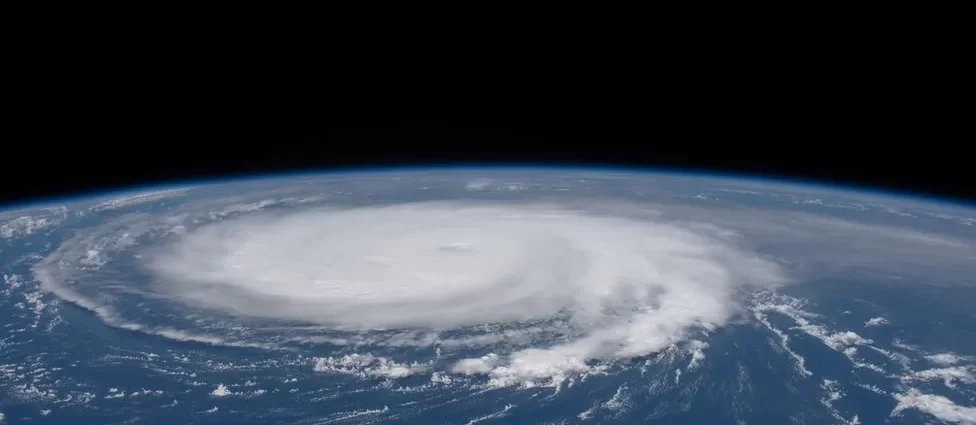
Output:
(468, 295)
(839, 186)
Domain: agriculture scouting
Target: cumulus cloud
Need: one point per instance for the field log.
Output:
(29, 224)
(938, 406)
(367, 365)
(220, 391)
(841, 341)
(949, 375)
(623, 287)
(946, 359)
(876, 321)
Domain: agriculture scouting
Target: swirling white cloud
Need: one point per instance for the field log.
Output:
(616, 287)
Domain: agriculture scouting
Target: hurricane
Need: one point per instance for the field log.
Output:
(612, 287)
(475, 297)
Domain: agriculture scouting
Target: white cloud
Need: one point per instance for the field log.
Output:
(626, 287)
(29, 224)
(136, 199)
(840, 340)
(938, 406)
(792, 308)
(897, 343)
(946, 359)
(481, 365)
(697, 350)
(876, 321)
(949, 375)
(220, 391)
(478, 184)
(367, 365)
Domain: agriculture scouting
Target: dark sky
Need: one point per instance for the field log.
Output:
(889, 115)
(131, 149)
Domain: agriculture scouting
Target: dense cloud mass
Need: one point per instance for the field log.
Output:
(394, 295)
(622, 287)
(564, 284)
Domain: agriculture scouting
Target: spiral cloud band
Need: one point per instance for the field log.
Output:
(614, 287)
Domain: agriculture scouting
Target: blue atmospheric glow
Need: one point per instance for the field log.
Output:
(784, 182)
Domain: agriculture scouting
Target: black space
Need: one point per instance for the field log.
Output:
(98, 110)
(126, 149)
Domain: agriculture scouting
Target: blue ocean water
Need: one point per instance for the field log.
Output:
(785, 357)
